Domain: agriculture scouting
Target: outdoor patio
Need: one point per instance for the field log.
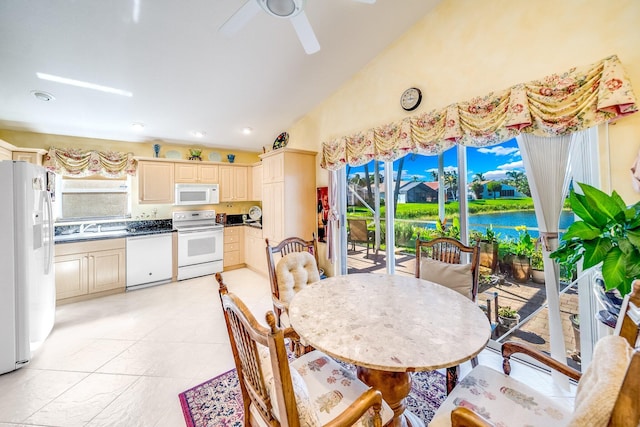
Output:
(526, 298)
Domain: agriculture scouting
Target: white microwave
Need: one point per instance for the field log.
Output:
(197, 194)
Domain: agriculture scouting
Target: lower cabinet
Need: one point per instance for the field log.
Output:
(255, 255)
(87, 269)
(233, 247)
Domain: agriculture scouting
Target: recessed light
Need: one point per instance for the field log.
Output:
(198, 134)
(42, 95)
(137, 126)
(80, 83)
(247, 130)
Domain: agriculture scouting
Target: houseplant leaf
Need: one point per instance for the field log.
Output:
(580, 207)
(581, 230)
(634, 237)
(595, 251)
(599, 204)
(613, 269)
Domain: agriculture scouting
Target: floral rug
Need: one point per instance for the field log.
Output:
(218, 402)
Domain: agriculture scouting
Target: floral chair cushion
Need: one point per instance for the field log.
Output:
(332, 388)
(294, 272)
(306, 411)
(454, 276)
(502, 400)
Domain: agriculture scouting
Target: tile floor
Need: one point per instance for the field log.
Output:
(123, 359)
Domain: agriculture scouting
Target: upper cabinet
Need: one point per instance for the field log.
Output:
(289, 206)
(256, 183)
(234, 183)
(196, 173)
(11, 152)
(155, 182)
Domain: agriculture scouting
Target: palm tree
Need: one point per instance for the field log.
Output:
(478, 177)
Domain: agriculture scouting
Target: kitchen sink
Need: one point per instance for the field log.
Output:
(91, 235)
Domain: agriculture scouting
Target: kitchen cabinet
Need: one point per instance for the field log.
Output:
(87, 269)
(289, 205)
(233, 247)
(256, 183)
(155, 182)
(254, 250)
(5, 154)
(234, 183)
(196, 173)
(27, 155)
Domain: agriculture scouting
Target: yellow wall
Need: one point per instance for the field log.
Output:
(467, 48)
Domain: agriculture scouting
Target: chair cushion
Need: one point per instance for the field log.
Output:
(332, 388)
(454, 276)
(294, 272)
(502, 400)
(306, 411)
(600, 384)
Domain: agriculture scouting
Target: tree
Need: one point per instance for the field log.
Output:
(451, 183)
(494, 187)
(478, 177)
(477, 189)
(434, 175)
(519, 180)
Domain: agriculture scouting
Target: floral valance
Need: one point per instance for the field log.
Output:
(79, 163)
(558, 104)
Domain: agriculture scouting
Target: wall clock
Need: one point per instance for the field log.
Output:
(411, 98)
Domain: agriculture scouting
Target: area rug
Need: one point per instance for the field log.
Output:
(218, 402)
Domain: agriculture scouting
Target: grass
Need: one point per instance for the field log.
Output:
(429, 211)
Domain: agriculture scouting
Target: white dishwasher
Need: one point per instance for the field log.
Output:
(149, 260)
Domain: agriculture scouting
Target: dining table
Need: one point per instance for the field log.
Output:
(388, 326)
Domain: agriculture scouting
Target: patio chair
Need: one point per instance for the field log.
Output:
(608, 391)
(281, 293)
(359, 233)
(438, 261)
(276, 392)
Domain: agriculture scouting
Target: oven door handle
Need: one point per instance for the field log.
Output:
(201, 230)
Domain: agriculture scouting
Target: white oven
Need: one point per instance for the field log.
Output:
(200, 243)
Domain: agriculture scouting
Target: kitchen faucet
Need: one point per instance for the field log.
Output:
(85, 227)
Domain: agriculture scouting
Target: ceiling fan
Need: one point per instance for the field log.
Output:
(292, 10)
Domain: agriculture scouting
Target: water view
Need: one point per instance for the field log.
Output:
(505, 222)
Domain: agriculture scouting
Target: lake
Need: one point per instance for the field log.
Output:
(505, 222)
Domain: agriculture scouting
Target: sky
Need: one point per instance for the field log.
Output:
(494, 162)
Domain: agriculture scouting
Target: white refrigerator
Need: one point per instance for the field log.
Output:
(27, 282)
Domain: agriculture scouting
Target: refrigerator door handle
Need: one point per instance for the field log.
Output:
(48, 261)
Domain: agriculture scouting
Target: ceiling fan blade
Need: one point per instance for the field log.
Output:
(239, 19)
(305, 33)
(366, 1)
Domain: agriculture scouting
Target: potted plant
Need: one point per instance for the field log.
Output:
(537, 264)
(522, 249)
(607, 234)
(195, 153)
(488, 243)
(507, 316)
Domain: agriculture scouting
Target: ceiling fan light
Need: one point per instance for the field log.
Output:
(282, 8)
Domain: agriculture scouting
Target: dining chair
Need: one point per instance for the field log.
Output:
(313, 390)
(439, 260)
(283, 291)
(608, 392)
(359, 233)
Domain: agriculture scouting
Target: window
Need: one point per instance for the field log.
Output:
(92, 198)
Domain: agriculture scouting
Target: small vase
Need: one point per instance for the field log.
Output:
(231, 157)
(156, 150)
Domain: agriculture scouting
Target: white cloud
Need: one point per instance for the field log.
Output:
(495, 175)
(512, 166)
(498, 150)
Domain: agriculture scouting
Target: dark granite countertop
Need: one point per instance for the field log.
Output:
(111, 230)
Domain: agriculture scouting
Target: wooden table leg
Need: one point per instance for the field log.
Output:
(395, 387)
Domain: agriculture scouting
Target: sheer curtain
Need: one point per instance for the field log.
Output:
(547, 165)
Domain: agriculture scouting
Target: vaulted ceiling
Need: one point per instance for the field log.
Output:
(179, 74)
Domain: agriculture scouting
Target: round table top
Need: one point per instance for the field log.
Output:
(389, 322)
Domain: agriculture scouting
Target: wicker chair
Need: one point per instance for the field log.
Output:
(608, 392)
(438, 260)
(276, 392)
